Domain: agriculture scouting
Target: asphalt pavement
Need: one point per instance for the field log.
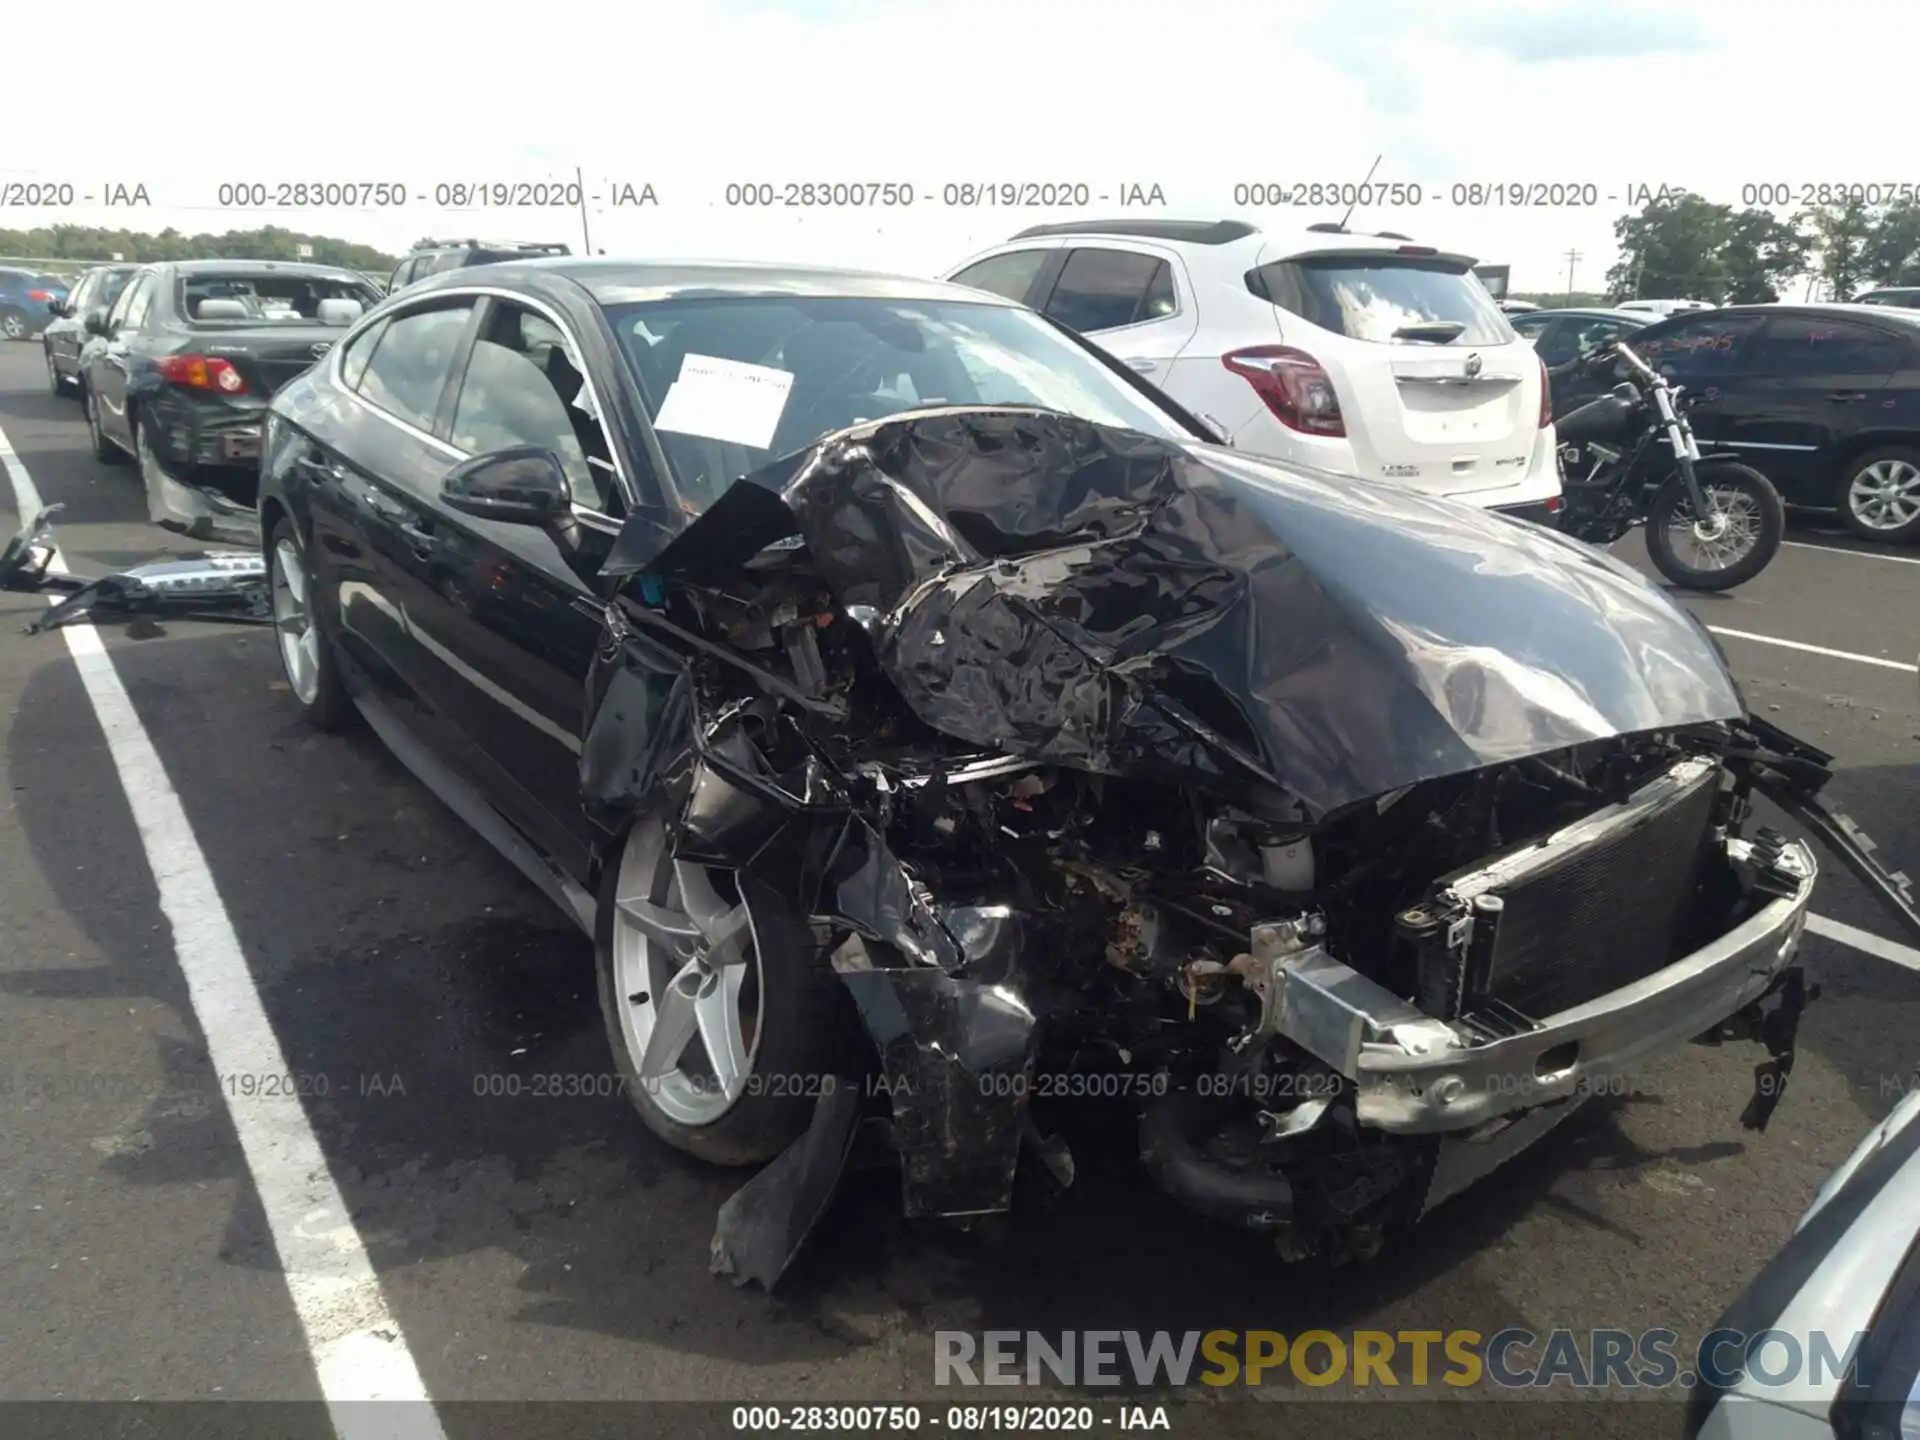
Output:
(536, 1248)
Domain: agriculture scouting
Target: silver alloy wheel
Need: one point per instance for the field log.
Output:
(686, 971)
(1722, 538)
(13, 325)
(293, 621)
(1886, 494)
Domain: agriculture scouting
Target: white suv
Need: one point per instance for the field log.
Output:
(1360, 354)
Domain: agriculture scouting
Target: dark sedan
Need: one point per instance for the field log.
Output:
(897, 688)
(1560, 335)
(179, 370)
(65, 336)
(27, 301)
(1824, 399)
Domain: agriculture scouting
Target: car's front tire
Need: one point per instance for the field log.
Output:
(725, 1020)
(104, 450)
(1879, 495)
(306, 659)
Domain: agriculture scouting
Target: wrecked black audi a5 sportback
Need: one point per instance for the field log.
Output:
(900, 692)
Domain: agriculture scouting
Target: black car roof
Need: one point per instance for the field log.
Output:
(1883, 313)
(1590, 312)
(624, 282)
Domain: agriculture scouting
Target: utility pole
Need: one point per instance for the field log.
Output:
(1573, 258)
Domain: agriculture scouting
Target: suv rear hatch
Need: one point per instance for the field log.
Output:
(1435, 390)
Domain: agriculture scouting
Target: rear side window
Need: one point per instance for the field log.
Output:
(1370, 297)
(408, 372)
(1703, 345)
(353, 360)
(1804, 345)
(1009, 275)
(1106, 289)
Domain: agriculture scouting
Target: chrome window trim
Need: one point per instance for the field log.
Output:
(598, 519)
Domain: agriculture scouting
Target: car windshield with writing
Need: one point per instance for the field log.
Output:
(240, 299)
(733, 382)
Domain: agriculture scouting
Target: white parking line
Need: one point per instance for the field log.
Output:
(1856, 554)
(1866, 941)
(359, 1354)
(1818, 650)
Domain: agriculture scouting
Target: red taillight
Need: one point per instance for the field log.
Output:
(1546, 395)
(1298, 392)
(41, 295)
(203, 372)
(1556, 505)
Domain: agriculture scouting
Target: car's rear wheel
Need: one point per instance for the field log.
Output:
(104, 450)
(14, 323)
(305, 657)
(1879, 495)
(721, 1013)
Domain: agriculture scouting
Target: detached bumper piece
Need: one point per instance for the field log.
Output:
(230, 587)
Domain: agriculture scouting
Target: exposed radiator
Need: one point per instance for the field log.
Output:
(1563, 921)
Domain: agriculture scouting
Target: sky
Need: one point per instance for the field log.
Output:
(1106, 99)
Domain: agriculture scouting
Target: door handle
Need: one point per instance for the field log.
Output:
(418, 535)
(1146, 366)
(1840, 396)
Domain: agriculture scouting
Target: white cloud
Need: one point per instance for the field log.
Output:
(1192, 97)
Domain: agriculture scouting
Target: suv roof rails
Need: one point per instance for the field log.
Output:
(1327, 227)
(1197, 232)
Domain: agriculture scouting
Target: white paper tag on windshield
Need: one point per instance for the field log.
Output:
(725, 400)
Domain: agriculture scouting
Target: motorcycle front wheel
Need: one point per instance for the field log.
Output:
(1732, 543)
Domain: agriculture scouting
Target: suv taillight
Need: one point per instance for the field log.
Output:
(41, 295)
(1293, 385)
(1546, 394)
(203, 372)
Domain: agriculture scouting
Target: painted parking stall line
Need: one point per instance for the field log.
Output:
(1816, 650)
(1853, 554)
(359, 1353)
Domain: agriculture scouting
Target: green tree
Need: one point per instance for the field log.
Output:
(1844, 235)
(1893, 249)
(1670, 250)
(1761, 253)
(90, 243)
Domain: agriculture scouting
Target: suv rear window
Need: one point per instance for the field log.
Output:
(1370, 297)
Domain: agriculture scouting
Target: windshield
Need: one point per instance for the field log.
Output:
(731, 383)
(271, 299)
(1375, 298)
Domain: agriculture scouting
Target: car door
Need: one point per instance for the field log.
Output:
(511, 629)
(119, 353)
(372, 498)
(1811, 383)
(63, 340)
(1710, 355)
(1134, 302)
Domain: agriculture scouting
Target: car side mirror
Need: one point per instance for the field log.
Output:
(521, 486)
(95, 321)
(59, 308)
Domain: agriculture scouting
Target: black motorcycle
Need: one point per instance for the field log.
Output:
(1629, 458)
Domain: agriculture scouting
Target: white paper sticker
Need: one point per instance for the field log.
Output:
(727, 400)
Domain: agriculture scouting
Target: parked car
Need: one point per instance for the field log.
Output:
(1903, 298)
(1850, 1272)
(1360, 354)
(1558, 336)
(178, 372)
(1663, 307)
(1517, 307)
(27, 298)
(65, 336)
(1823, 399)
(783, 686)
(430, 257)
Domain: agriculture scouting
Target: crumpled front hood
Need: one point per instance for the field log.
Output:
(1092, 597)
